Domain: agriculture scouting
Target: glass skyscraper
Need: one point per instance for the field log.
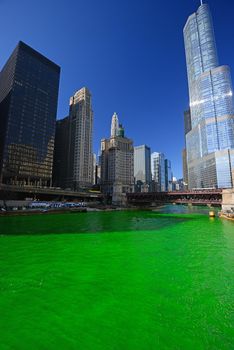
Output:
(142, 167)
(158, 171)
(61, 153)
(29, 85)
(168, 175)
(210, 142)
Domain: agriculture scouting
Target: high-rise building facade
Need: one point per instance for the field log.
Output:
(187, 122)
(73, 144)
(142, 167)
(168, 175)
(61, 153)
(185, 168)
(158, 171)
(29, 85)
(210, 142)
(187, 129)
(80, 154)
(117, 167)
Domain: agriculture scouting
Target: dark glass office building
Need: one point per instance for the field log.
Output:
(29, 85)
(61, 155)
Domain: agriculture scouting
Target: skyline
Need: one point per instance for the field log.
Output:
(108, 67)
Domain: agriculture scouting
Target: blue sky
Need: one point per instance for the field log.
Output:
(130, 54)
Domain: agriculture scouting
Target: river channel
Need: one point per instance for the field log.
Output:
(118, 280)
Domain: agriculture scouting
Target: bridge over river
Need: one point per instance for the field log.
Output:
(196, 197)
(8, 192)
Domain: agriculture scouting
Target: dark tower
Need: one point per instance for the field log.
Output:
(29, 85)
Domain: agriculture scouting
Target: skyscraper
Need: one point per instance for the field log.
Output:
(29, 85)
(142, 167)
(80, 155)
(210, 142)
(168, 175)
(73, 160)
(117, 169)
(61, 153)
(158, 171)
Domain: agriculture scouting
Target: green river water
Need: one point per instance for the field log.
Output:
(117, 280)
